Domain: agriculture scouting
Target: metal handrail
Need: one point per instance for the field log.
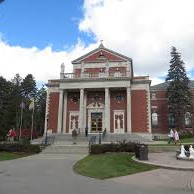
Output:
(92, 140)
(48, 140)
(104, 133)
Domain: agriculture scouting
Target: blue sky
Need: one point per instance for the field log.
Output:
(42, 22)
(37, 36)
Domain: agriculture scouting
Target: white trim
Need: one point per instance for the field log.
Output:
(96, 84)
(65, 113)
(119, 112)
(81, 110)
(129, 129)
(149, 112)
(60, 109)
(102, 65)
(92, 109)
(47, 110)
(107, 109)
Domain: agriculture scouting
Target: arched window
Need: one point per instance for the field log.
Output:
(171, 123)
(154, 119)
(188, 119)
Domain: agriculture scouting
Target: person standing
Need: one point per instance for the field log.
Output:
(171, 136)
(86, 131)
(74, 136)
(176, 137)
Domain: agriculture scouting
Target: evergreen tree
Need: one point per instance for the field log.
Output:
(178, 93)
(17, 98)
(28, 92)
(6, 107)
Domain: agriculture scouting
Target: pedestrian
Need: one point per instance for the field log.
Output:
(86, 131)
(74, 136)
(171, 136)
(176, 137)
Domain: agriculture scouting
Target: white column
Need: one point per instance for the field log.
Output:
(85, 105)
(81, 110)
(64, 112)
(60, 114)
(128, 110)
(47, 110)
(107, 110)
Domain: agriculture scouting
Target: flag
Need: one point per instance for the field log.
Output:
(22, 105)
(31, 105)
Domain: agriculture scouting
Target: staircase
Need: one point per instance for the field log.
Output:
(63, 142)
(66, 149)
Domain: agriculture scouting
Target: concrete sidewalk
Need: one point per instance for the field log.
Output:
(168, 160)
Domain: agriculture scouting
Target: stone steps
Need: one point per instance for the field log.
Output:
(66, 149)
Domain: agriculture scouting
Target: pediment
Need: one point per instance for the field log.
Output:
(101, 54)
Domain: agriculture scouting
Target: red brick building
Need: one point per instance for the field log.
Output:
(103, 93)
(162, 120)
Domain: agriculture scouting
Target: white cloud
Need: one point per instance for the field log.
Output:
(143, 30)
(43, 64)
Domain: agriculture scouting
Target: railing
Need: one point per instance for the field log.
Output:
(115, 74)
(91, 141)
(104, 134)
(48, 140)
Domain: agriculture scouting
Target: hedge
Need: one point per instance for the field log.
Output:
(18, 147)
(113, 147)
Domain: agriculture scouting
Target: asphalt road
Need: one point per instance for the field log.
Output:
(53, 174)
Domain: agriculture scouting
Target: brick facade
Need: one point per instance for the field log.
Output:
(53, 111)
(139, 111)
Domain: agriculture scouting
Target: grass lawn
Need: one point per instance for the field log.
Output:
(109, 165)
(11, 156)
(183, 141)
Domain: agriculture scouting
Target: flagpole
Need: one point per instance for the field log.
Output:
(32, 124)
(21, 123)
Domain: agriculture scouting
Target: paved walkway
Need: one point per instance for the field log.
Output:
(168, 160)
(53, 174)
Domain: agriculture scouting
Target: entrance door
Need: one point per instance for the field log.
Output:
(96, 122)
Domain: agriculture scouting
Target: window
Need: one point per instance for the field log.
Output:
(171, 123)
(153, 95)
(154, 120)
(188, 119)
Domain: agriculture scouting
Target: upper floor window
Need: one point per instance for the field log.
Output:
(153, 95)
(154, 120)
(171, 122)
(188, 119)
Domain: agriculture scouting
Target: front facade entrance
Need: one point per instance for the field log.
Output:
(96, 122)
(101, 94)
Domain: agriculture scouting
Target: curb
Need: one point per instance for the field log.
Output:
(163, 166)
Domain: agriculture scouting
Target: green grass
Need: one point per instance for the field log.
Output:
(11, 156)
(183, 141)
(109, 165)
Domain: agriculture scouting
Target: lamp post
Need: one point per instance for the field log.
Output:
(99, 137)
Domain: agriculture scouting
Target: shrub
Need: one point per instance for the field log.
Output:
(18, 147)
(113, 147)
